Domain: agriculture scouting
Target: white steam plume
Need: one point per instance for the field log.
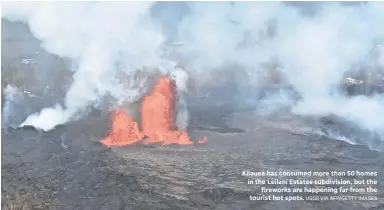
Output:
(12, 96)
(181, 79)
(102, 37)
(313, 51)
(317, 52)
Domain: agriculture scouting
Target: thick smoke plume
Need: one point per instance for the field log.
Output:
(312, 49)
(103, 39)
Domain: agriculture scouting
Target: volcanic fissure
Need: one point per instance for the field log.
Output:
(157, 120)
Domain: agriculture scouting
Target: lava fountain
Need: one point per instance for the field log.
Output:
(157, 120)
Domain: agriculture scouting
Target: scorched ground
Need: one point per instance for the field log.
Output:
(68, 167)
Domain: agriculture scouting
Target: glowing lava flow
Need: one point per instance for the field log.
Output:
(157, 120)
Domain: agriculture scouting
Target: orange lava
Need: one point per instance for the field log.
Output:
(157, 120)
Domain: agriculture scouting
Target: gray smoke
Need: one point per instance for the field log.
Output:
(311, 47)
(102, 38)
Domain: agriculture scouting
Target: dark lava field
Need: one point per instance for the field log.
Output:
(68, 168)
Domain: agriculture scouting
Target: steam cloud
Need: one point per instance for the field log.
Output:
(99, 37)
(314, 50)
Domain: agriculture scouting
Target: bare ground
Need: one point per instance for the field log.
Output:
(69, 169)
